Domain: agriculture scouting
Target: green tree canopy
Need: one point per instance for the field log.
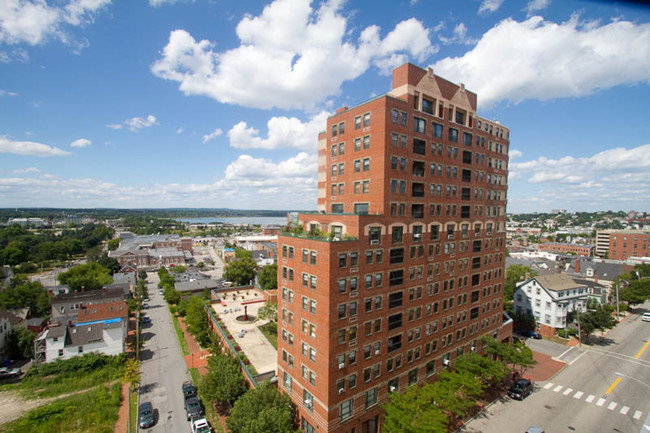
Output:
(26, 294)
(240, 271)
(262, 409)
(269, 311)
(196, 319)
(113, 244)
(267, 277)
(515, 274)
(91, 276)
(224, 381)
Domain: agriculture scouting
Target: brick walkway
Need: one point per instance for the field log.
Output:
(545, 368)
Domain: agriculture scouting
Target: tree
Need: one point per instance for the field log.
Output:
(20, 343)
(131, 373)
(636, 292)
(518, 354)
(262, 409)
(241, 271)
(490, 372)
(600, 318)
(26, 294)
(171, 295)
(413, 412)
(91, 276)
(14, 253)
(113, 244)
(515, 274)
(196, 319)
(269, 311)
(224, 381)
(109, 263)
(267, 277)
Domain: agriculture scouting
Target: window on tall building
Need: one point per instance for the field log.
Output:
(419, 125)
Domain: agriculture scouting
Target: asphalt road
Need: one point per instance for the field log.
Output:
(604, 388)
(163, 368)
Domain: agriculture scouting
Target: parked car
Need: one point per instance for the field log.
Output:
(200, 425)
(521, 389)
(145, 415)
(7, 372)
(645, 317)
(534, 429)
(145, 305)
(532, 334)
(189, 390)
(193, 407)
(146, 319)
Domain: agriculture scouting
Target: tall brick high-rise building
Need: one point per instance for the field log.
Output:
(402, 268)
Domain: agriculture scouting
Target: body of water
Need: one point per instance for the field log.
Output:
(263, 221)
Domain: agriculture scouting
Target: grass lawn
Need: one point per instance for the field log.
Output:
(270, 331)
(133, 409)
(94, 411)
(181, 338)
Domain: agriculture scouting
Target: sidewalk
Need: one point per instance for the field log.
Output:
(197, 358)
(545, 368)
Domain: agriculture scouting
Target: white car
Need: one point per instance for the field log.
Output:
(200, 425)
(646, 317)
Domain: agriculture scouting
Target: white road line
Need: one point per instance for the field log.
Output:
(590, 398)
(612, 406)
(565, 352)
(637, 414)
(578, 357)
(548, 385)
(558, 388)
(568, 391)
(600, 402)
(625, 410)
(578, 394)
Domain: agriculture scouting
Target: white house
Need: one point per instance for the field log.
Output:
(549, 298)
(65, 342)
(7, 322)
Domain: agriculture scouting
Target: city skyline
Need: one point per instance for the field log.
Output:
(168, 104)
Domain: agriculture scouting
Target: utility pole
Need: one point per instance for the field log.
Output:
(618, 313)
(579, 330)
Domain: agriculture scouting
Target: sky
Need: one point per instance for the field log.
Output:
(210, 104)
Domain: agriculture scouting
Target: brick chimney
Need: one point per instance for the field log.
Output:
(577, 265)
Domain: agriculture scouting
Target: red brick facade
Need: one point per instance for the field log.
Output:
(579, 250)
(403, 268)
(632, 243)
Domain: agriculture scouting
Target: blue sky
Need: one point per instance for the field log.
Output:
(165, 103)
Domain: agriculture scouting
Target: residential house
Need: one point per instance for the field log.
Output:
(7, 322)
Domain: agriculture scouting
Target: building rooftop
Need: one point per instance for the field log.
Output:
(557, 282)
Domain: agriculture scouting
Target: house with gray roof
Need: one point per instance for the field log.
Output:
(551, 299)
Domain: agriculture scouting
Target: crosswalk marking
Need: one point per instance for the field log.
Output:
(625, 410)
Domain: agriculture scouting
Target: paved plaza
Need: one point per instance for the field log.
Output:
(262, 355)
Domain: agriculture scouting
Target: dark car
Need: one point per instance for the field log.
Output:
(145, 415)
(146, 319)
(193, 407)
(532, 334)
(521, 389)
(189, 390)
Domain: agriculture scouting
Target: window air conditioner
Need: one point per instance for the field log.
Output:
(377, 352)
(392, 389)
(445, 362)
(374, 242)
(417, 236)
(450, 236)
(341, 390)
(287, 382)
(341, 366)
(308, 403)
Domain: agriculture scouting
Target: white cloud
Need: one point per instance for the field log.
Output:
(283, 132)
(179, 131)
(135, 124)
(158, 3)
(214, 134)
(81, 142)
(254, 183)
(459, 36)
(291, 56)
(536, 5)
(32, 22)
(31, 148)
(6, 93)
(536, 59)
(27, 170)
(514, 154)
(489, 6)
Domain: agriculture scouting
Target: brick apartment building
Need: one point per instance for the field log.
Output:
(578, 250)
(402, 268)
(622, 244)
